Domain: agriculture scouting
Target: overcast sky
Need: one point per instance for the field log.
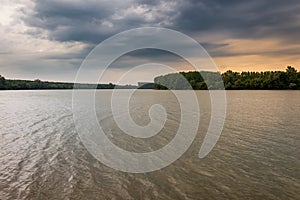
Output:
(48, 39)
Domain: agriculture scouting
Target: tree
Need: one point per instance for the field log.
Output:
(292, 75)
(2, 82)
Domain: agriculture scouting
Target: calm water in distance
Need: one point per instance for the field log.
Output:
(257, 156)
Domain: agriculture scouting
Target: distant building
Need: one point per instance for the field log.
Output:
(145, 85)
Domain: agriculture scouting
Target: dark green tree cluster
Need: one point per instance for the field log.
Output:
(189, 80)
(2, 82)
(37, 84)
(289, 79)
(171, 81)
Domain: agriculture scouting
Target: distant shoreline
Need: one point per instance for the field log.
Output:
(10, 84)
(193, 80)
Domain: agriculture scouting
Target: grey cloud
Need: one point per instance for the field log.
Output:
(148, 2)
(270, 53)
(243, 19)
(209, 46)
(92, 21)
(5, 52)
(64, 21)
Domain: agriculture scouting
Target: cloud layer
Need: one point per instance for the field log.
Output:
(92, 21)
(61, 32)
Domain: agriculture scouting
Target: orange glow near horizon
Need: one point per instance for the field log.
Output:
(257, 55)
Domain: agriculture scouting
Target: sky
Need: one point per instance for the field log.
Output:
(49, 39)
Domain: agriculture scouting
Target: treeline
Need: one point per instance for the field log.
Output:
(269, 80)
(37, 84)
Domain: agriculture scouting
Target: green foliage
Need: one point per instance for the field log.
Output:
(2, 82)
(44, 85)
(290, 79)
(189, 80)
(172, 81)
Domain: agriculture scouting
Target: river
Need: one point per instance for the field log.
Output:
(256, 157)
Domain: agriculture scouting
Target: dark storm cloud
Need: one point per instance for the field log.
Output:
(93, 21)
(70, 21)
(82, 20)
(148, 2)
(144, 56)
(243, 19)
